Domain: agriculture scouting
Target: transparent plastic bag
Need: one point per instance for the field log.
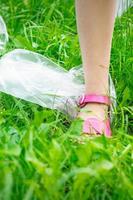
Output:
(3, 34)
(123, 5)
(35, 78)
(32, 77)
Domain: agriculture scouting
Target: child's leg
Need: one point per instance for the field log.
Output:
(95, 21)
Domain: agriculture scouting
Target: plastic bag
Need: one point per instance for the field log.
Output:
(3, 34)
(35, 78)
(122, 5)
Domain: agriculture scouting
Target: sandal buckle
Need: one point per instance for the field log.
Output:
(81, 101)
(82, 98)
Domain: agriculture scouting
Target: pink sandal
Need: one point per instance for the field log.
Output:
(101, 127)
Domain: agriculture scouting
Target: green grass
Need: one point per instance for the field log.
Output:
(42, 155)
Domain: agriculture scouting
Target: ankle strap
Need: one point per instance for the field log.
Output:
(93, 98)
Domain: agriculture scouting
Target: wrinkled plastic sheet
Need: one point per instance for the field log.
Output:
(32, 77)
(35, 78)
(3, 34)
(122, 6)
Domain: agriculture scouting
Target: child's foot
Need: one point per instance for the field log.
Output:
(93, 109)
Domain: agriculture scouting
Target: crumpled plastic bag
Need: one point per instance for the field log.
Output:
(122, 6)
(3, 34)
(34, 78)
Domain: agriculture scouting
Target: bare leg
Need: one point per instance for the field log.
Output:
(95, 22)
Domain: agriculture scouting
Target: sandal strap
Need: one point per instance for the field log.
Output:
(101, 127)
(93, 98)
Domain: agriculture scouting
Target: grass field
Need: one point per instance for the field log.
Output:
(42, 156)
